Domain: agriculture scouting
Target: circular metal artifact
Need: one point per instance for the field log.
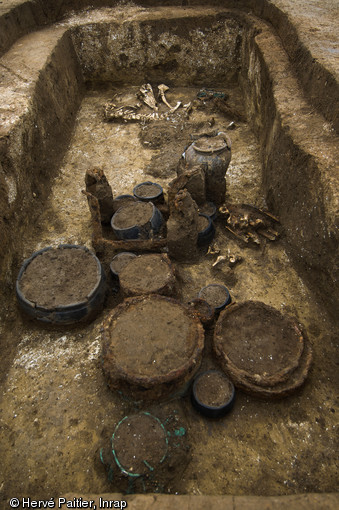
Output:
(152, 347)
(148, 452)
(147, 274)
(262, 351)
(61, 285)
(139, 444)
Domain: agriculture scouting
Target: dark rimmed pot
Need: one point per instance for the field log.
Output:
(122, 200)
(211, 210)
(227, 300)
(207, 410)
(206, 235)
(156, 198)
(67, 314)
(125, 254)
(153, 225)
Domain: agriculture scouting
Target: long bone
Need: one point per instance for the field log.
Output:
(162, 89)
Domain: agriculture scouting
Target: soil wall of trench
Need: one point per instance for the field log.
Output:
(18, 17)
(214, 49)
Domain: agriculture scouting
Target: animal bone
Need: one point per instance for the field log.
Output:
(219, 260)
(148, 96)
(188, 107)
(127, 113)
(224, 210)
(162, 89)
(233, 260)
(255, 238)
(268, 233)
(256, 223)
(213, 249)
(174, 108)
(231, 125)
(244, 238)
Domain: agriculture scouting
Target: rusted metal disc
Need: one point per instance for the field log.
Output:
(152, 347)
(258, 345)
(202, 310)
(282, 389)
(147, 274)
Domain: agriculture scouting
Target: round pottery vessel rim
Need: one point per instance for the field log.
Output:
(219, 372)
(70, 306)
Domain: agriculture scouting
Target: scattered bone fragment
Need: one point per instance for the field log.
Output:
(234, 259)
(270, 234)
(129, 112)
(254, 237)
(126, 114)
(187, 107)
(219, 260)
(257, 223)
(213, 249)
(97, 184)
(241, 237)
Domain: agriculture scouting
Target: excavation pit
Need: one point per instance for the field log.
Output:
(283, 160)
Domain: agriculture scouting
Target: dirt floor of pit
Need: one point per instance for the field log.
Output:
(56, 408)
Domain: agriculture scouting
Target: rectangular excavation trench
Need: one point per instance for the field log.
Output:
(57, 409)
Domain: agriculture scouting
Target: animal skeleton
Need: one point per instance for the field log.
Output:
(248, 223)
(129, 114)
